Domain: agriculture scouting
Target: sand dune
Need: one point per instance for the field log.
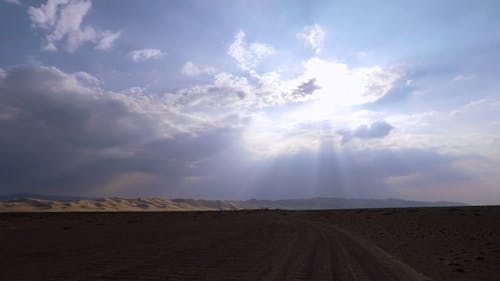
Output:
(159, 204)
(105, 204)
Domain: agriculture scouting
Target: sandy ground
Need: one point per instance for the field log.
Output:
(372, 244)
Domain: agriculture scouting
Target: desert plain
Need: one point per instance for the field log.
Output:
(438, 243)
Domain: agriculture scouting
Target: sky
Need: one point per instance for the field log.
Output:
(251, 99)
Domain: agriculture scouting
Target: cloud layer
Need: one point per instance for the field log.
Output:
(66, 135)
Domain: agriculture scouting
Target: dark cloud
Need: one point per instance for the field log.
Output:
(378, 129)
(64, 138)
(305, 89)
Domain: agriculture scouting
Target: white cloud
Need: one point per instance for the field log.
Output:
(107, 40)
(146, 54)
(327, 93)
(341, 85)
(313, 37)
(248, 55)
(86, 78)
(191, 69)
(62, 21)
(326, 90)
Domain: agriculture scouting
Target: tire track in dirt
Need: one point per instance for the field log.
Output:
(325, 252)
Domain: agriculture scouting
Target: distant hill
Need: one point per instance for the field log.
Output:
(320, 203)
(17, 196)
(35, 203)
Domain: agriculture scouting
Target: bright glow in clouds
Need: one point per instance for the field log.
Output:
(341, 86)
(333, 103)
(326, 93)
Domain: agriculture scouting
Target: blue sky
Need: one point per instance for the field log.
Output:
(243, 99)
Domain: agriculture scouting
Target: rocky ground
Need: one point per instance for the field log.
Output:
(454, 243)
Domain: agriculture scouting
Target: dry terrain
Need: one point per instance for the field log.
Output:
(38, 204)
(454, 243)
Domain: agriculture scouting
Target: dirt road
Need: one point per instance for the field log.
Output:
(246, 245)
(319, 251)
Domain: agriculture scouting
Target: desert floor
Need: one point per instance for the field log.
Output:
(456, 243)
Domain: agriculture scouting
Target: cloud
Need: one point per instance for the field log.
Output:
(65, 136)
(342, 85)
(313, 37)
(107, 40)
(95, 137)
(248, 55)
(378, 129)
(146, 54)
(86, 78)
(305, 89)
(191, 69)
(62, 22)
(189, 111)
(375, 130)
(14, 2)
